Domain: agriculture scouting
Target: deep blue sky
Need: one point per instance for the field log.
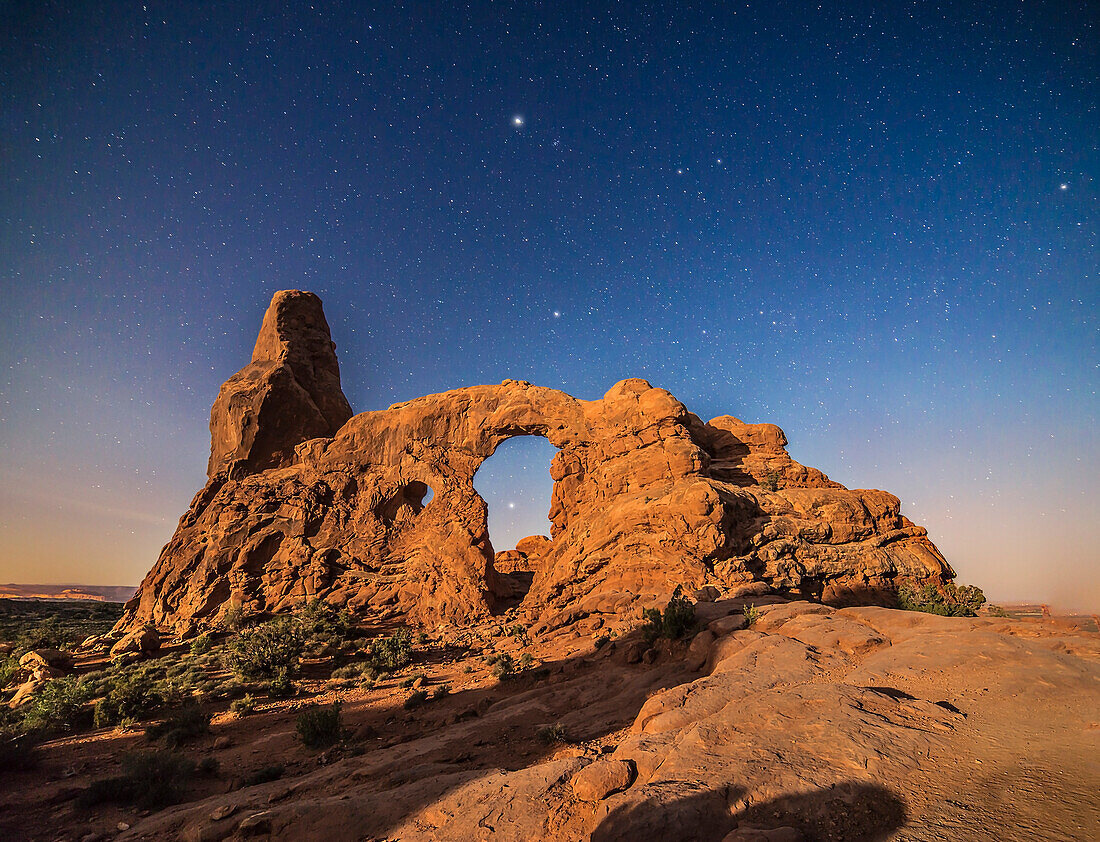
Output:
(874, 224)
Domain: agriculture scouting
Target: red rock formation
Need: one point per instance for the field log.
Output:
(290, 391)
(646, 497)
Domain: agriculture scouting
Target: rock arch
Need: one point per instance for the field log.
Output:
(646, 497)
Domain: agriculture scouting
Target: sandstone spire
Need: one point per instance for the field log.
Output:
(289, 393)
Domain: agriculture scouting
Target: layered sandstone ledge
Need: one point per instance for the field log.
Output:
(305, 500)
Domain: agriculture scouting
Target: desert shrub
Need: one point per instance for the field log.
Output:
(388, 654)
(18, 750)
(208, 767)
(148, 779)
(997, 611)
(268, 652)
(325, 623)
(47, 633)
(265, 775)
(183, 725)
(503, 664)
(551, 734)
(948, 601)
(133, 695)
(201, 644)
(442, 691)
(771, 481)
(751, 612)
(244, 705)
(233, 618)
(9, 668)
(319, 727)
(519, 632)
(525, 661)
(676, 620)
(59, 704)
(416, 699)
(359, 670)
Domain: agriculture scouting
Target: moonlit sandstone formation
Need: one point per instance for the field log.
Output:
(305, 501)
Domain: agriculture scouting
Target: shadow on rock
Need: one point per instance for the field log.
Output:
(849, 811)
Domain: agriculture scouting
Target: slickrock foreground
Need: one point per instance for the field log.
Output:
(815, 723)
(304, 501)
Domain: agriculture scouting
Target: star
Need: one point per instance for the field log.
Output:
(517, 120)
(1063, 186)
(557, 314)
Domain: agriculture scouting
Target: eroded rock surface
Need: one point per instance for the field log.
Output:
(304, 501)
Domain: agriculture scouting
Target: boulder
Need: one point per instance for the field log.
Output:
(141, 641)
(601, 778)
(52, 658)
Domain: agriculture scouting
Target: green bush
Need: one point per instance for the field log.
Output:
(551, 734)
(416, 699)
(183, 725)
(325, 623)
(233, 618)
(201, 644)
(751, 612)
(675, 622)
(59, 704)
(948, 601)
(149, 780)
(244, 705)
(771, 481)
(319, 727)
(503, 664)
(268, 652)
(388, 654)
(519, 632)
(9, 668)
(133, 695)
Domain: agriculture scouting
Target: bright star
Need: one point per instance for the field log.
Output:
(1063, 187)
(557, 314)
(517, 120)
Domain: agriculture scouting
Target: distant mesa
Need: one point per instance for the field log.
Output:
(97, 593)
(305, 500)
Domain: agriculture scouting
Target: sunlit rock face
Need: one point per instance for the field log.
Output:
(290, 391)
(306, 501)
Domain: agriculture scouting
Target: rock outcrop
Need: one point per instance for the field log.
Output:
(304, 501)
(290, 391)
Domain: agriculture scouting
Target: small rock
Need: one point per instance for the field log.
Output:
(728, 625)
(708, 593)
(123, 826)
(223, 812)
(24, 693)
(599, 779)
(635, 651)
(222, 742)
(416, 685)
(649, 656)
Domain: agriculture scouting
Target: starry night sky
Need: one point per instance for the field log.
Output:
(874, 224)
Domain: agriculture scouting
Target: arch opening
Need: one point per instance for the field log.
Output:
(516, 486)
(406, 503)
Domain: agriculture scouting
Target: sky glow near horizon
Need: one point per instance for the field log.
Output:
(874, 225)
